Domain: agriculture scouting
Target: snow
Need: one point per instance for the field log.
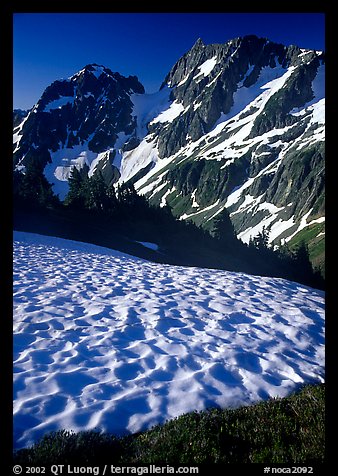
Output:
(210, 207)
(121, 139)
(206, 67)
(154, 108)
(168, 115)
(193, 197)
(155, 186)
(135, 160)
(318, 220)
(252, 205)
(279, 227)
(184, 80)
(59, 103)
(147, 244)
(97, 71)
(316, 109)
(96, 161)
(248, 201)
(255, 230)
(147, 107)
(214, 80)
(318, 115)
(270, 207)
(270, 80)
(104, 156)
(163, 202)
(17, 136)
(144, 185)
(107, 341)
(304, 223)
(317, 103)
(236, 194)
(63, 161)
(318, 84)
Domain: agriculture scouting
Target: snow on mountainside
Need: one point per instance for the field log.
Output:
(80, 121)
(262, 149)
(108, 341)
(237, 125)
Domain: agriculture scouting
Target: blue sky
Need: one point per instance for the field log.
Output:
(50, 46)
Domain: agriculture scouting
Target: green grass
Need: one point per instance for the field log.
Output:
(316, 244)
(287, 430)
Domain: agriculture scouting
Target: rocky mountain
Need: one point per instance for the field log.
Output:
(18, 116)
(238, 125)
(77, 122)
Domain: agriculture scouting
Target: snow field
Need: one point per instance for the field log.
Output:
(109, 341)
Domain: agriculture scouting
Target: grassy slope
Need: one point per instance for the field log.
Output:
(316, 244)
(288, 430)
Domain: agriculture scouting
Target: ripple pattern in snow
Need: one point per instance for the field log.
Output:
(107, 341)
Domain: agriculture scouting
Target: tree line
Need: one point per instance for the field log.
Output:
(130, 211)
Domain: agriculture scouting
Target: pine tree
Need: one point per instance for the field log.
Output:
(261, 241)
(76, 194)
(223, 228)
(302, 259)
(112, 202)
(31, 189)
(96, 196)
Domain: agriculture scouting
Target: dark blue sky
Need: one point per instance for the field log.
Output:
(50, 46)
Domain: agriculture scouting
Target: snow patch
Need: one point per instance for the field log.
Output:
(163, 202)
(304, 223)
(206, 67)
(63, 162)
(193, 198)
(147, 107)
(59, 103)
(135, 160)
(147, 244)
(174, 110)
(106, 341)
(210, 207)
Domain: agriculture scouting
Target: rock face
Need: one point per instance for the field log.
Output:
(75, 120)
(249, 137)
(238, 125)
(208, 77)
(18, 116)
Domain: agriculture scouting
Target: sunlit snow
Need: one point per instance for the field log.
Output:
(107, 341)
(206, 68)
(146, 107)
(174, 110)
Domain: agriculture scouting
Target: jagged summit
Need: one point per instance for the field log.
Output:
(75, 120)
(95, 69)
(99, 71)
(198, 44)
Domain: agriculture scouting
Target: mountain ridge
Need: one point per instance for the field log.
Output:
(238, 125)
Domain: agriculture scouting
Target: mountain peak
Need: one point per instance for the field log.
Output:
(95, 69)
(198, 43)
(231, 115)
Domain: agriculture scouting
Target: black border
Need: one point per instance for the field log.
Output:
(6, 91)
